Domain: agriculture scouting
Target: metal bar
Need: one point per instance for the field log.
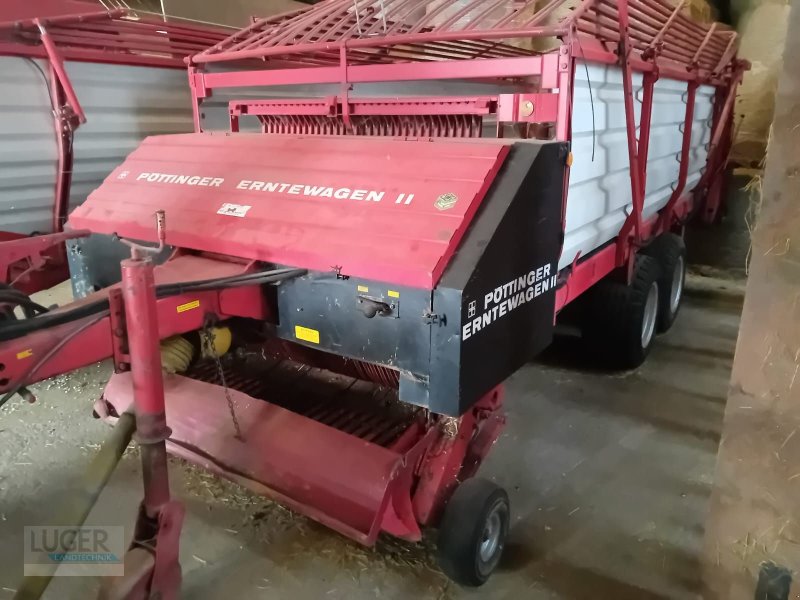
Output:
(660, 35)
(686, 146)
(317, 20)
(93, 55)
(63, 133)
(63, 19)
(58, 67)
(634, 220)
(473, 24)
(333, 106)
(719, 127)
(667, 68)
(565, 93)
(12, 251)
(198, 90)
(660, 14)
(705, 41)
(548, 31)
(645, 119)
(345, 88)
(641, 37)
(683, 23)
(730, 50)
(540, 15)
(487, 68)
(141, 315)
(233, 38)
(118, 43)
(320, 33)
(302, 21)
(580, 11)
(396, 8)
(584, 274)
(711, 182)
(146, 30)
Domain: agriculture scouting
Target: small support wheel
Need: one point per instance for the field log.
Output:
(670, 251)
(473, 531)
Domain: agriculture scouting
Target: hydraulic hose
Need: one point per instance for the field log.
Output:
(50, 353)
(11, 297)
(100, 309)
(15, 329)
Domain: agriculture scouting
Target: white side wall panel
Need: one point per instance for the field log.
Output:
(28, 152)
(123, 105)
(599, 186)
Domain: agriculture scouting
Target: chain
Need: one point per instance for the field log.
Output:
(208, 341)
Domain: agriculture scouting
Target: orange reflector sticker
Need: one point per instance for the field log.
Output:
(188, 306)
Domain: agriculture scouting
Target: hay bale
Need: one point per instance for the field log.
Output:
(698, 10)
(763, 34)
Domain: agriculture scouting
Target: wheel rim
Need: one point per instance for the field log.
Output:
(677, 286)
(649, 319)
(491, 538)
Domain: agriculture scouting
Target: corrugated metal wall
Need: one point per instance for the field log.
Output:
(123, 105)
(28, 151)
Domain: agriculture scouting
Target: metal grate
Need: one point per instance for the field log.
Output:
(403, 29)
(657, 25)
(390, 31)
(354, 406)
(461, 117)
(111, 36)
(422, 125)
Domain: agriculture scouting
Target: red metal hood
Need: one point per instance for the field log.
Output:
(385, 209)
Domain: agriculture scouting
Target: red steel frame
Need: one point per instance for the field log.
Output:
(419, 470)
(158, 524)
(365, 41)
(397, 489)
(112, 36)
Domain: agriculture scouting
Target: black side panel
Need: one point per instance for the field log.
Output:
(367, 320)
(94, 262)
(497, 296)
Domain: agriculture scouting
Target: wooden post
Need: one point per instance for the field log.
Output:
(752, 541)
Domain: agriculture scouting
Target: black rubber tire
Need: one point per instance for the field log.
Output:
(462, 528)
(614, 316)
(670, 252)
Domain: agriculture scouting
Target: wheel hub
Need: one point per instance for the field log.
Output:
(490, 540)
(677, 286)
(649, 318)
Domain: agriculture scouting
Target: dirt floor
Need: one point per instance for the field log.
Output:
(609, 477)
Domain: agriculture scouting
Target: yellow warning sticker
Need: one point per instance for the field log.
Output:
(188, 306)
(306, 334)
(363, 289)
(25, 354)
(393, 294)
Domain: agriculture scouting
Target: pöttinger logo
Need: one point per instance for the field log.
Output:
(446, 201)
(65, 551)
